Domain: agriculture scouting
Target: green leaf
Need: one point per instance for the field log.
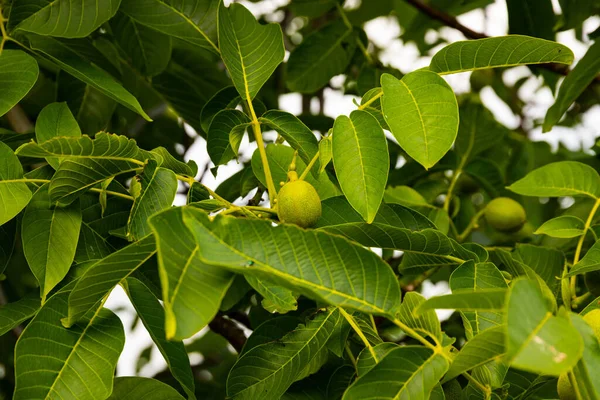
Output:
(49, 234)
(365, 361)
(321, 55)
(409, 197)
(8, 236)
(101, 277)
(269, 331)
(86, 162)
(325, 153)
(565, 226)
(501, 51)
(55, 120)
(280, 157)
(226, 98)
(563, 178)
(426, 323)
(18, 73)
(14, 192)
(586, 372)
(276, 299)
(481, 300)
(61, 18)
(478, 131)
(13, 314)
(298, 135)
(573, 86)
(478, 276)
(422, 113)
(361, 161)
(149, 50)
(159, 186)
(152, 315)
(194, 21)
(394, 227)
(137, 388)
(272, 367)
(221, 127)
(83, 69)
(589, 262)
(537, 341)
(319, 265)
(79, 363)
(250, 51)
(478, 351)
(192, 289)
(405, 372)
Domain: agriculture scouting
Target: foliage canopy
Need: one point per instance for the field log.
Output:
(316, 296)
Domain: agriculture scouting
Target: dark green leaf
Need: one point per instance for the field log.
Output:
(13, 314)
(136, 388)
(18, 73)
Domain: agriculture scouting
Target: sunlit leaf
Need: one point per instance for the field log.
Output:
(536, 340)
(322, 266)
(422, 113)
(360, 158)
(564, 178)
(481, 300)
(501, 51)
(14, 193)
(565, 226)
(250, 51)
(589, 262)
(276, 299)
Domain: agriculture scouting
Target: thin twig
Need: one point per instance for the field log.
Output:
(230, 331)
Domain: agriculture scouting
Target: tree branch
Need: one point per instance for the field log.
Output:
(452, 22)
(230, 331)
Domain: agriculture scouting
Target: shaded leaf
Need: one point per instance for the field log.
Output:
(395, 378)
(481, 300)
(586, 371)
(53, 121)
(49, 234)
(18, 73)
(152, 315)
(425, 323)
(276, 299)
(221, 127)
(574, 84)
(589, 262)
(81, 68)
(102, 276)
(137, 388)
(159, 186)
(365, 361)
(13, 314)
(321, 55)
(194, 22)
(81, 361)
(280, 363)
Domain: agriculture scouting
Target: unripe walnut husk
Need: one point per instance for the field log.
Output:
(505, 215)
(298, 203)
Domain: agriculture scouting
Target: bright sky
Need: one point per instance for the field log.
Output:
(384, 33)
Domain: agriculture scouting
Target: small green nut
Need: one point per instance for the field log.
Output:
(505, 215)
(565, 390)
(452, 390)
(593, 319)
(298, 203)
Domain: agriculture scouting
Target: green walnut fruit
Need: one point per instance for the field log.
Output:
(565, 390)
(452, 390)
(505, 214)
(298, 203)
(592, 281)
(593, 319)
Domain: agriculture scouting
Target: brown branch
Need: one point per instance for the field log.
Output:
(452, 22)
(230, 331)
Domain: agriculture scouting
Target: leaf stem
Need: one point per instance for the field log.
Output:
(370, 101)
(263, 154)
(359, 332)
(309, 166)
(95, 190)
(350, 355)
(472, 225)
(343, 15)
(414, 334)
(3, 31)
(588, 223)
